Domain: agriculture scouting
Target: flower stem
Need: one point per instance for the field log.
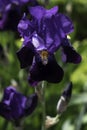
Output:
(43, 106)
(18, 128)
(18, 125)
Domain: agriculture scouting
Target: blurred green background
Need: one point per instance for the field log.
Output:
(75, 117)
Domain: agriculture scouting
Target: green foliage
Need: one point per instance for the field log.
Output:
(75, 118)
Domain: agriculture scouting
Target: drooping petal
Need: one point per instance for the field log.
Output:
(25, 55)
(69, 54)
(50, 72)
(31, 104)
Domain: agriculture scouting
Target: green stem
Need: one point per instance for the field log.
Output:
(43, 106)
(18, 128)
(18, 125)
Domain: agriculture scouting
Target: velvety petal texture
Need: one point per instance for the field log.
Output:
(50, 72)
(25, 55)
(14, 105)
(44, 33)
(68, 53)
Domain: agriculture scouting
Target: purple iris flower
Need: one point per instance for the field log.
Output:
(7, 19)
(10, 11)
(15, 106)
(43, 35)
(9, 14)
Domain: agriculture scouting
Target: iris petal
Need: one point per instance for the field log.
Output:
(50, 72)
(31, 104)
(25, 55)
(69, 54)
(19, 105)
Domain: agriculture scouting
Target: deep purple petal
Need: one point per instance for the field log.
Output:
(19, 1)
(25, 27)
(25, 55)
(10, 24)
(42, 12)
(39, 10)
(56, 28)
(8, 95)
(5, 111)
(17, 105)
(7, 19)
(52, 34)
(3, 20)
(32, 82)
(12, 104)
(69, 54)
(5, 5)
(51, 72)
(31, 104)
(53, 11)
(66, 23)
(49, 25)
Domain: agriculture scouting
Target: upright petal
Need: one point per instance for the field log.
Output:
(25, 27)
(39, 10)
(42, 12)
(66, 23)
(8, 95)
